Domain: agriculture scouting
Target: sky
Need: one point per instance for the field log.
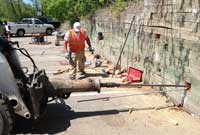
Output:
(27, 1)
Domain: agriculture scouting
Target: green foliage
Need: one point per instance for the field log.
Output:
(70, 10)
(73, 10)
(117, 7)
(14, 10)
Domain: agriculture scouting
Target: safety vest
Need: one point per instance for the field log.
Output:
(77, 44)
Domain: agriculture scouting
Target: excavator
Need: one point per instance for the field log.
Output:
(27, 93)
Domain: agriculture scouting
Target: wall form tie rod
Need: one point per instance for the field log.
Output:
(123, 45)
(130, 95)
(187, 87)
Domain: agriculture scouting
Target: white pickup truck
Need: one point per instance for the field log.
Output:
(30, 26)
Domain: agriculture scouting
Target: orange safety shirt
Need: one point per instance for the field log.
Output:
(77, 44)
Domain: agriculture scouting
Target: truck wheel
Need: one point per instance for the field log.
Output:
(6, 121)
(20, 33)
(49, 31)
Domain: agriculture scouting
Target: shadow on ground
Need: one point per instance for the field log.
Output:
(56, 120)
(58, 116)
(26, 35)
(93, 75)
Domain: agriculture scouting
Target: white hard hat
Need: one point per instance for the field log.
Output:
(77, 26)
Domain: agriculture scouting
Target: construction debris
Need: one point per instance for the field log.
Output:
(130, 109)
(108, 62)
(108, 71)
(124, 79)
(39, 39)
(59, 36)
(88, 62)
(60, 71)
(134, 75)
(97, 56)
(98, 62)
(123, 70)
(174, 122)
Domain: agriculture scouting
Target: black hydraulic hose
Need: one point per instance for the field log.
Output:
(25, 53)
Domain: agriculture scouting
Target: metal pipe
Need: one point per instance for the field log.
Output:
(187, 85)
(121, 51)
(67, 86)
(130, 95)
(60, 86)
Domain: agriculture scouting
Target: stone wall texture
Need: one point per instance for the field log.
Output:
(164, 42)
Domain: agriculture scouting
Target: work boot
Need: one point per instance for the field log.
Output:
(82, 73)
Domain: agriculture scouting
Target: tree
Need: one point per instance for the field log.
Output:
(60, 9)
(73, 10)
(14, 10)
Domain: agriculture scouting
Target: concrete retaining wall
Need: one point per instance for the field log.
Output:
(164, 42)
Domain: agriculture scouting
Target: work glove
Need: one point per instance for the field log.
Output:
(68, 55)
(91, 50)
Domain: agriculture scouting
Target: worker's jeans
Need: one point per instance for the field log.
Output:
(78, 58)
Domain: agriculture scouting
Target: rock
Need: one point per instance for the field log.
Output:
(117, 72)
(174, 122)
(97, 56)
(98, 62)
(124, 79)
(108, 62)
(108, 71)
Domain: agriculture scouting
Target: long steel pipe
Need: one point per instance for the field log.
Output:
(61, 86)
(187, 85)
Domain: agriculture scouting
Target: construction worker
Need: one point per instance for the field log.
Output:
(74, 45)
(7, 30)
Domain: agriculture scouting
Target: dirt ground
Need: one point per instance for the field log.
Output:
(149, 114)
